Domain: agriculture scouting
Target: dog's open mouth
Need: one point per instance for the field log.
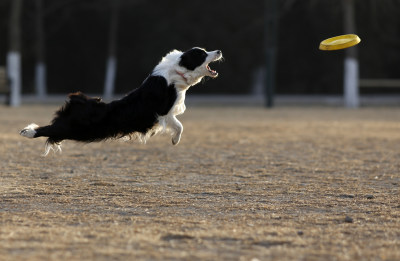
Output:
(216, 56)
(212, 72)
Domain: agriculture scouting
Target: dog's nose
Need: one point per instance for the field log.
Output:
(219, 52)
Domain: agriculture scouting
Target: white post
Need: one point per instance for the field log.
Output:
(40, 80)
(111, 66)
(40, 67)
(351, 72)
(14, 75)
(13, 56)
(110, 78)
(351, 95)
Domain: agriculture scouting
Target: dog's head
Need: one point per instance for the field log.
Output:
(197, 60)
(187, 68)
(194, 64)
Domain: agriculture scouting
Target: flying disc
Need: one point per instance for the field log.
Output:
(339, 42)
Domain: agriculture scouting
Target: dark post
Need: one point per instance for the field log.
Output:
(271, 35)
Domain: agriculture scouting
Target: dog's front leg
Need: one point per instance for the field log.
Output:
(177, 129)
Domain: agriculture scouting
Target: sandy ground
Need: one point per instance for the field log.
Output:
(243, 184)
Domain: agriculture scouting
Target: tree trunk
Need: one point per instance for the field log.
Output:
(14, 56)
(351, 68)
(40, 67)
(111, 67)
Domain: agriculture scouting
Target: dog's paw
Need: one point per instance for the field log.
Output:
(176, 139)
(29, 131)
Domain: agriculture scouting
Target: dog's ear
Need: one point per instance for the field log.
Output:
(186, 62)
(193, 58)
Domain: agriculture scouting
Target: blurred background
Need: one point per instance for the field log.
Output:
(108, 47)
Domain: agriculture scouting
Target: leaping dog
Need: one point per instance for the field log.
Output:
(142, 113)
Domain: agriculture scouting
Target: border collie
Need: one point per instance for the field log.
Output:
(142, 113)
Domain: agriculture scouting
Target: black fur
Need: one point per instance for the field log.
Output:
(88, 119)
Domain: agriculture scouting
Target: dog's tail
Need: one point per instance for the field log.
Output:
(30, 131)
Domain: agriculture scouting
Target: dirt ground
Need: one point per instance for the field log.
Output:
(291, 183)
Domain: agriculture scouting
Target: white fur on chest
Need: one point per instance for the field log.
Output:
(182, 79)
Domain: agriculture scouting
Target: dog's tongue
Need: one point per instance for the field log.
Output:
(211, 71)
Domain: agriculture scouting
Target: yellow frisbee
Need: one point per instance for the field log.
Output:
(339, 42)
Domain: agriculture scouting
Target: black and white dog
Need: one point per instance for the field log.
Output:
(144, 112)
